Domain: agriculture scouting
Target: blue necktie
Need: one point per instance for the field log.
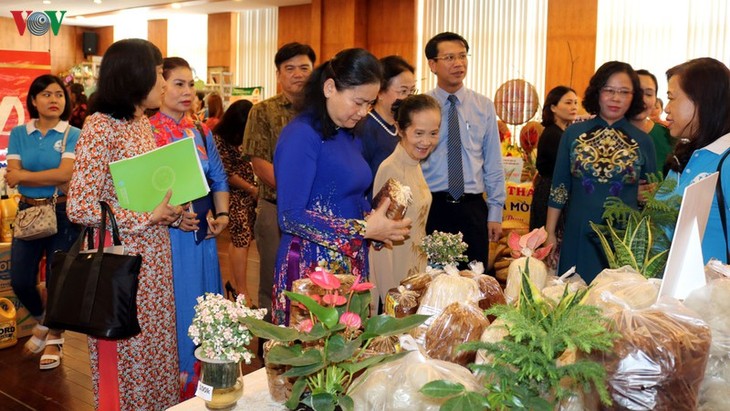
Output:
(456, 170)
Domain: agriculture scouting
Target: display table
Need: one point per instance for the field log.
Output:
(255, 396)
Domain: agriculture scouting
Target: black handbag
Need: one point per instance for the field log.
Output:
(94, 293)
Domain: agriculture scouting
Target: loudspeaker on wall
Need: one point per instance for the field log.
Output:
(90, 43)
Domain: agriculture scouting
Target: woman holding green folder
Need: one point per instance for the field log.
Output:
(195, 266)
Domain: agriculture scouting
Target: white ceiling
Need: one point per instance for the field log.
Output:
(109, 12)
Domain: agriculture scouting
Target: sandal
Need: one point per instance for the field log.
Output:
(55, 359)
(37, 344)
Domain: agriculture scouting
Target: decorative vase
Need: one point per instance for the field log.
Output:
(224, 377)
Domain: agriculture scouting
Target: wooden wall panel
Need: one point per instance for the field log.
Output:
(571, 23)
(294, 24)
(157, 34)
(391, 28)
(65, 48)
(222, 41)
(106, 38)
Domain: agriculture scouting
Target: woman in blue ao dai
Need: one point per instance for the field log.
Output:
(322, 178)
(195, 267)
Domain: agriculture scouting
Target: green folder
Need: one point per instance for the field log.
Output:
(142, 181)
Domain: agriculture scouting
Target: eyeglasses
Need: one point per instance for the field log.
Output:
(405, 92)
(621, 92)
(450, 58)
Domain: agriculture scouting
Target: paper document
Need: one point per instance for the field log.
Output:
(142, 181)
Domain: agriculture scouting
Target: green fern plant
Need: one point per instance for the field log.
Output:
(634, 247)
(661, 207)
(524, 372)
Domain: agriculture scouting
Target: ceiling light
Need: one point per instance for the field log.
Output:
(175, 5)
(46, 1)
(97, 1)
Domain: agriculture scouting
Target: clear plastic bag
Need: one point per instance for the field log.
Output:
(712, 303)
(445, 289)
(623, 288)
(659, 361)
(394, 386)
(457, 324)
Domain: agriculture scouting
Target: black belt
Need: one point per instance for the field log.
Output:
(270, 201)
(465, 198)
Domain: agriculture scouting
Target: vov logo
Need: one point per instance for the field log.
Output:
(38, 22)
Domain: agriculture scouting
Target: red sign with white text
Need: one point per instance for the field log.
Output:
(18, 69)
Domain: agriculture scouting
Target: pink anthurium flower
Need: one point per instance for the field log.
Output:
(357, 286)
(316, 297)
(334, 299)
(527, 245)
(350, 320)
(324, 279)
(305, 326)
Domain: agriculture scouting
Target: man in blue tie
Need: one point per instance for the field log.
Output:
(467, 161)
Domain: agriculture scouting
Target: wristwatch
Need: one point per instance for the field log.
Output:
(221, 214)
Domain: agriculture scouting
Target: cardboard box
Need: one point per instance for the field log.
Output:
(4, 267)
(24, 321)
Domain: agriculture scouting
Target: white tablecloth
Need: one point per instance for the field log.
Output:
(255, 396)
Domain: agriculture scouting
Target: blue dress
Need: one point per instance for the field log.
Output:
(377, 142)
(195, 267)
(596, 160)
(320, 188)
(704, 162)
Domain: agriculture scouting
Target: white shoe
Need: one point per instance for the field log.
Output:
(56, 359)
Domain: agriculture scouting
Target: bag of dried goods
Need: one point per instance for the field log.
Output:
(394, 386)
(491, 291)
(712, 303)
(458, 323)
(445, 289)
(623, 288)
(659, 361)
(400, 198)
(400, 302)
(556, 285)
(526, 250)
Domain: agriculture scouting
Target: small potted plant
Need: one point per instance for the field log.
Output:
(223, 341)
(325, 351)
(444, 249)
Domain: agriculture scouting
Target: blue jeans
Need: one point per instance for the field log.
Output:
(25, 257)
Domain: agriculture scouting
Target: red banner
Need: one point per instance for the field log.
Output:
(18, 69)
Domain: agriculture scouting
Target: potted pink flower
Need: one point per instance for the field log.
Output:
(325, 350)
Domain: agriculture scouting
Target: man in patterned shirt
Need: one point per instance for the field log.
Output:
(294, 62)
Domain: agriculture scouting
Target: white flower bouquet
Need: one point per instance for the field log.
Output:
(217, 328)
(444, 249)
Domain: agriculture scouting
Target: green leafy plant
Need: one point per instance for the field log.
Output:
(524, 370)
(661, 207)
(444, 248)
(326, 350)
(635, 247)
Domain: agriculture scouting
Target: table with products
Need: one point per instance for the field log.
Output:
(255, 396)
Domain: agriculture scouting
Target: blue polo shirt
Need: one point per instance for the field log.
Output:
(704, 162)
(38, 153)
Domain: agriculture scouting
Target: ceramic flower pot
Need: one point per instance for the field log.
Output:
(224, 377)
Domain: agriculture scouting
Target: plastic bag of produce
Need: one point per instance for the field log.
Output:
(556, 285)
(458, 323)
(443, 290)
(623, 288)
(712, 303)
(490, 291)
(394, 386)
(659, 361)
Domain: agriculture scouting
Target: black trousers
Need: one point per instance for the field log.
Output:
(468, 216)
